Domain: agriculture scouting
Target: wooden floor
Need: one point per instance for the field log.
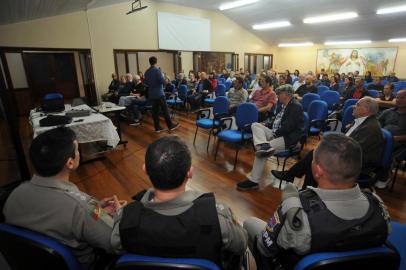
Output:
(121, 172)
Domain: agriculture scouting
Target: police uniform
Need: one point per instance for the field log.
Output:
(60, 210)
(290, 228)
(232, 237)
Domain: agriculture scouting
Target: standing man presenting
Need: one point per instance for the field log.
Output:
(155, 80)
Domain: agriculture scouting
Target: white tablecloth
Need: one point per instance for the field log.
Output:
(95, 127)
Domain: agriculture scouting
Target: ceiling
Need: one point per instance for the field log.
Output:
(367, 26)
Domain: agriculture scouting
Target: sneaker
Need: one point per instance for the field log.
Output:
(282, 175)
(175, 126)
(383, 184)
(159, 130)
(135, 123)
(264, 150)
(247, 185)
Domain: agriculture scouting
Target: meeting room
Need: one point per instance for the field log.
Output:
(202, 134)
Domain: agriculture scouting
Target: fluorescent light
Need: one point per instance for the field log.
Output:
(331, 17)
(391, 10)
(270, 25)
(397, 40)
(347, 42)
(235, 4)
(300, 44)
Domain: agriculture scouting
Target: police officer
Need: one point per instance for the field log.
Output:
(335, 216)
(170, 221)
(52, 205)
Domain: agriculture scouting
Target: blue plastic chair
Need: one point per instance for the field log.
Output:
(178, 99)
(373, 93)
(140, 262)
(370, 258)
(246, 115)
(228, 85)
(294, 151)
(307, 99)
(220, 91)
(397, 238)
(347, 118)
(366, 181)
(332, 98)
(25, 249)
(221, 80)
(220, 109)
(318, 113)
(321, 89)
(51, 96)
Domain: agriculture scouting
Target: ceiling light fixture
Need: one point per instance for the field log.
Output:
(300, 44)
(331, 17)
(270, 25)
(391, 10)
(397, 39)
(347, 42)
(235, 4)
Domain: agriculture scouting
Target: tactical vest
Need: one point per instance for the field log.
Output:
(331, 233)
(194, 233)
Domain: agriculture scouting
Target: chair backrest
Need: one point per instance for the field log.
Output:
(228, 85)
(387, 150)
(347, 118)
(25, 249)
(321, 89)
(349, 102)
(306, 123)
(371, 258)
(397, 238)
(221, 105)
(51, 96)
(182, 92)
(331, 98)
(374, 93)
(247, 113)
(318, 109)
(140, 262)
(221, 90)
(221, 80)
(307, 99)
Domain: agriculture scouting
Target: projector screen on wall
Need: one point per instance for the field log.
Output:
(183, 33)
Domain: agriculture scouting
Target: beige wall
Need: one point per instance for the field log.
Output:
(165, 62)
(187, 61)
(304, 59)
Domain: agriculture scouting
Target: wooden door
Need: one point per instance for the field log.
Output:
(51, 72)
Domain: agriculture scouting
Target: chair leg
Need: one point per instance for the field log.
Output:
(217, 149)
(283, 169)
(236, 156)
(194, 139)
(277, 161)
(394, 176)
(208, 142)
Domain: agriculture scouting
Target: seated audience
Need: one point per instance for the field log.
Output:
(334, 85)
(213, 80)
(140, 101)
(170, 221)
(203, 88)
(356, 92)
(288, 78)
(324, 80)
(368, 77)
(237, 94)
(392, 77)
(299, 82)
(180, 79)
(141, 75)
(265, 98)
(128, 86)
(376, 85)
(52, 205)
(336, 216)
(286, 131)
(394, 120)
(365, 130)
(191, 82)
(113, 87)
(169, 88)
(308, 87)
(348, 86)
(296, 74)
(387, 94)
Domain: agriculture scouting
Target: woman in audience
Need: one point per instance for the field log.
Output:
(192, 81)
(334, 84)
(295, 74)
(348, 85)
(288, 77)
(213, 81)
(169, 87)
(141, 74)
(368, 77)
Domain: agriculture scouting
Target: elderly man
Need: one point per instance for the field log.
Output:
(308, 87)
(265, 98)
(376, 85)
(334, 216)
(299, 82)
(365, 130)
(286, 131)
(237, 94)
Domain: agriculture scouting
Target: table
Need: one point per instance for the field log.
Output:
(95, 127)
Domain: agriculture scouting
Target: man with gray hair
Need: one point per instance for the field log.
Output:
(285, 132)
(365, 130)
(336, 216)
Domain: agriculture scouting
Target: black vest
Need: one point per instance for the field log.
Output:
(194, 233)
(331, 233)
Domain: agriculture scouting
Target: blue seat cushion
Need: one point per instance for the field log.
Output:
(283, 154)
(174, 102)
(209, 100)
(206, 123)
(233, 136)
(314, 130)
